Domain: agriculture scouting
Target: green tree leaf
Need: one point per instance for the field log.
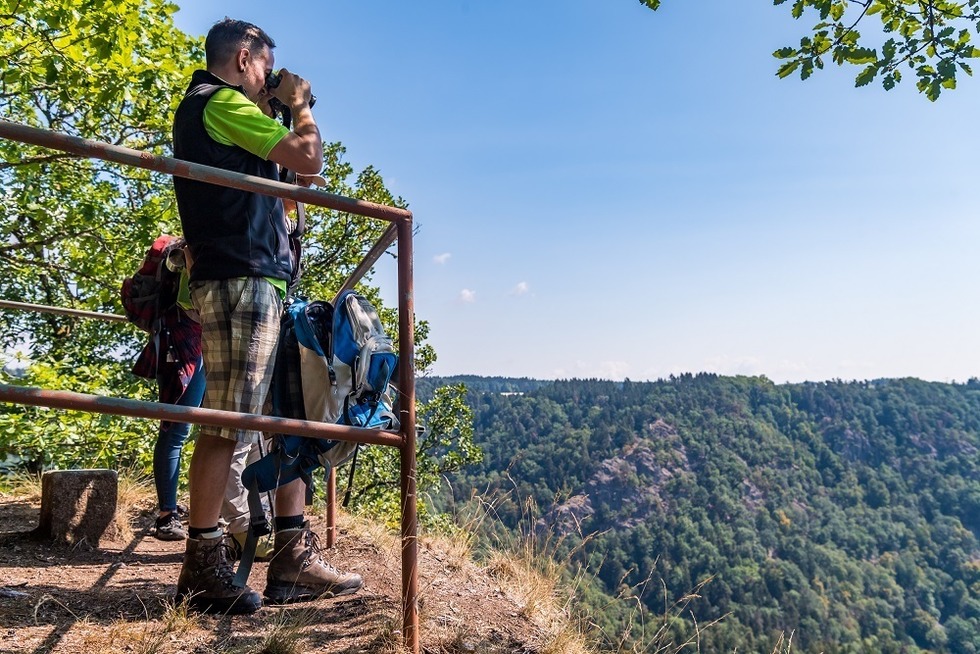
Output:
(787, 69)
(909, 34)
(866, 75)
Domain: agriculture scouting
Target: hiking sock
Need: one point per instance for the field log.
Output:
(207, 532)
(285, 522)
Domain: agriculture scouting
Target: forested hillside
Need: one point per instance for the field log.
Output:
(846, 513)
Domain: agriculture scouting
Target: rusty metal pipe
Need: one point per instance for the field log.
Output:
(119, 154)
(406, 407)
(172, 412)
(370, 259)
(78, 313)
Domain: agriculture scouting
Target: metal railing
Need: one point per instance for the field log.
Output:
(400, 230)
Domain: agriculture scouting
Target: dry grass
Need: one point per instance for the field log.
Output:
(286, 630)
(567, 641)
(784, 644)
(370, 531)
(134, 491)
(151, 636)
(529, 569)
(546, 595)
(388, 639)
(24, 486)
(454, 551)
(666, 639)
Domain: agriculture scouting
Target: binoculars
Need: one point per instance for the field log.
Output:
(272, 81)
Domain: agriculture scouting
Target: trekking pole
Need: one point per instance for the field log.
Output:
(331, 531)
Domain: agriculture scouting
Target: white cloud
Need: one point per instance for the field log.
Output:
(468, 296)
(522, 288)
(733, 365)
(610, 370)
(441, 258)
(778, 370)
(614, 370)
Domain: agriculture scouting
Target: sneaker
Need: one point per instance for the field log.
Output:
(206, 580)
(263, 548)
(298, 573)
(168, 527)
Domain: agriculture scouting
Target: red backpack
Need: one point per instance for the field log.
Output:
(153, 288)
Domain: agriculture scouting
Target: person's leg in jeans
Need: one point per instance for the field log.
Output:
(166, 459)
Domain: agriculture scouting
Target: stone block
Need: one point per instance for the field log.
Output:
(78, 505)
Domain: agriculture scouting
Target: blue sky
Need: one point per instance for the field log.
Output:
(605, 191)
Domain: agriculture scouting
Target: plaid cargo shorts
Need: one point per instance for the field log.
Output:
(239, 330)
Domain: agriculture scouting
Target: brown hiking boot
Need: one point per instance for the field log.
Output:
(206, 580)
(298, 573)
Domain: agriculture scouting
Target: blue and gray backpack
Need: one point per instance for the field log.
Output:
(333, 364)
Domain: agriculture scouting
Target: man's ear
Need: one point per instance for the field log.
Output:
(242, 59)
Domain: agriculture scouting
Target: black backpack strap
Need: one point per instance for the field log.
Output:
(161, 356)
(258, 526)
(284, 114)
(300, 220)
(350, 477)
(296, 248)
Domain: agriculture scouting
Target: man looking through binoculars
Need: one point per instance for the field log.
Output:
(241, 266)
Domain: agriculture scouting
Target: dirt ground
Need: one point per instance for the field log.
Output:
(118, 599)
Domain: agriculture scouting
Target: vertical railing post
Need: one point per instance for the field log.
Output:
(406, 406)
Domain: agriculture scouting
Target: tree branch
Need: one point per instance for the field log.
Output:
(840, 39)
(4, 165)
(41, 243)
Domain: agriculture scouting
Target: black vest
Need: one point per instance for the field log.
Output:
(231, 233)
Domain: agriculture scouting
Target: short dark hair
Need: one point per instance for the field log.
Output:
(228, 36)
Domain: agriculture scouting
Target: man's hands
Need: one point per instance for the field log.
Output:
(311, 180)
(300, 151)
(303, 180)
(263, 104)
